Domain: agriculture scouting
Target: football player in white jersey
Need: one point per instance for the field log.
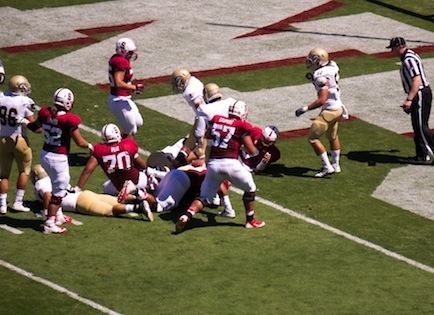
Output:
(325, 79)
(16, 110)
(192, 91)
(2, 72)
(214, 105)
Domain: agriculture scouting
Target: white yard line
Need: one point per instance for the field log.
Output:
(58, 288)
(10, 229)
(325, 226)
(341, 233)
(292, 213)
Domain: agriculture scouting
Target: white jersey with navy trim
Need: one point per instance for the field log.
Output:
(329, 72)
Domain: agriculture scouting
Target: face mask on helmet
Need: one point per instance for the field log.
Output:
(64, 98)
(180, 78)
(317, 57)
(238, 110)
(269, 135)
(111, 133)
(212, 92)
(19, 85)
(126, 48)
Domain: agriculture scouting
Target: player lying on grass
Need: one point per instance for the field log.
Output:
(85, 201)
(183, 184)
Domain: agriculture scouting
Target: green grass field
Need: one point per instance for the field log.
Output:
(290, 266)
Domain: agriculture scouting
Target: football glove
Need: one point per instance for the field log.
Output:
(300, 111)
(139, 88)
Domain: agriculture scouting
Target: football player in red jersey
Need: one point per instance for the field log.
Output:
(227, 136)
(264, 141)
(119, 159)
(58, 126)
(120, 76)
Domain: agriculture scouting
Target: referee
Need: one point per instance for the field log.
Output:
(419, 98)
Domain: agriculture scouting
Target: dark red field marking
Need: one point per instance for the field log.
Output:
(75, 41)
(298, 18)
(242, 68)
(419, 50)
(113, 28)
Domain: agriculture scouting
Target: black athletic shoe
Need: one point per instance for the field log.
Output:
(419, 160)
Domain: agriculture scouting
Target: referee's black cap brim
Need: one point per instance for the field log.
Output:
(396, 41)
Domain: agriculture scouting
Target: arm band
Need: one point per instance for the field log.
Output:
(33, 126)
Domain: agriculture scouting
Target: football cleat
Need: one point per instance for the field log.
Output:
(182, 223)
(144, 207)
(337, 168)
(325, 171)
(3, 209)
(254, 224)
(127, 189)
(63, 219)
(18, 206)
(227, 213)
(54, 229)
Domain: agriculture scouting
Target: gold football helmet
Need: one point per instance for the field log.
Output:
(37, 173)
(317, 57)
(212, 92)
(19, 85)
(180, 78)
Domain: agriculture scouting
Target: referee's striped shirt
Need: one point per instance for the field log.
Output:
(411, 67)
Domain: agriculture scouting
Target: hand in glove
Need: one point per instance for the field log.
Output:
(300, 111)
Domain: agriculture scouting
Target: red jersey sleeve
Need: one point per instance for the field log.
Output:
(119, 63)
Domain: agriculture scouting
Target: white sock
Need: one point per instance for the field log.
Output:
(3, 198)
(19, 195)
(50, 220)
(227, 203)
(335, 156)
(325, 160)
(59, 212)
(129, 208)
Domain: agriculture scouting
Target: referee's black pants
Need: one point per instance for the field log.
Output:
(420, 112)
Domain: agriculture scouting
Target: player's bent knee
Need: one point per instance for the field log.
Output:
(56, 200)
(249, 196)
(203, 201)
(312, 140)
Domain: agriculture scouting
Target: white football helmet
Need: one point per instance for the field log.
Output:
(317, 57)
(64, 98)
(212, 92)
(238, 110)
(180, 78)
(126, 48)
(111, 133)
(19, 85)
(269, 135)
